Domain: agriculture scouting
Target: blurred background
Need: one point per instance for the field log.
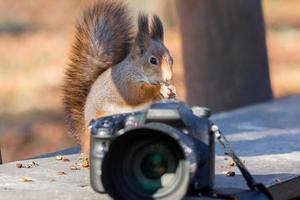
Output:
(35, 38)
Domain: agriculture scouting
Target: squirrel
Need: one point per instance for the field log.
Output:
(114, 67)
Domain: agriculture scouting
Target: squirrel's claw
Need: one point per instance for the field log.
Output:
(167, 91)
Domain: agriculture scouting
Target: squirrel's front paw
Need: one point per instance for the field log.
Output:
(167, 91)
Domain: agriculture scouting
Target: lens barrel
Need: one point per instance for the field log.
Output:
(155, 161)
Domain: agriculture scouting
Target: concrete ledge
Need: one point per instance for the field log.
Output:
(267, 136)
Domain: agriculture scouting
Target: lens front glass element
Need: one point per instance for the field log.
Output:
(154, 165)
(151, 164)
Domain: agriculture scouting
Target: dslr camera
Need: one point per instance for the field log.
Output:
(163, 152)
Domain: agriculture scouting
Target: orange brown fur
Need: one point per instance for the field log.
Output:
(85, 140)
(93, 52)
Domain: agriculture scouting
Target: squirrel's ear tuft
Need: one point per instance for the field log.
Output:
(157, 29)
(143, 36)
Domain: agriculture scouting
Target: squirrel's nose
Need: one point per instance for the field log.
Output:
(167, 77)
(167, 73)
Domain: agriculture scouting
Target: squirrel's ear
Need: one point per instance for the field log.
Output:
(143, 37)
(157, 29)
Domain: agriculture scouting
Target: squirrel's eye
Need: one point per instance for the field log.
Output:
(153, 60)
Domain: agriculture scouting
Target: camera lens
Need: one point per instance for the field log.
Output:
(146, 163)
(154, 165)
(151, 164)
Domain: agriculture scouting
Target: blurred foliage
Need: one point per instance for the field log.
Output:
(35, 37)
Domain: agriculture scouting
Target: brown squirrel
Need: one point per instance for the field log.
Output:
(113, 69)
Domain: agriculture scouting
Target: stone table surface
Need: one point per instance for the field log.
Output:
(266, 136)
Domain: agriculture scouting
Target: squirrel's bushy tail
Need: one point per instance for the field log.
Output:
(103, 39)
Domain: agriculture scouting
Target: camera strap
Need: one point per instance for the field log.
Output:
(252, 184)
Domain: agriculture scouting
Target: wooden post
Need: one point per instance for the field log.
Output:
(224, 53)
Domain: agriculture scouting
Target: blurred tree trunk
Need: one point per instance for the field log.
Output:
(224, 52)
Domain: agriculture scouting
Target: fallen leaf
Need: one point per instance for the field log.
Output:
(19, 165)
(61, 173)
(58, 157)
(26, 179)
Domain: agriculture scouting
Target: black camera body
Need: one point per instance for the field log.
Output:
(163, 152)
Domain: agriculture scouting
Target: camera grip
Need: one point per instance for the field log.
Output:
(95, 174)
